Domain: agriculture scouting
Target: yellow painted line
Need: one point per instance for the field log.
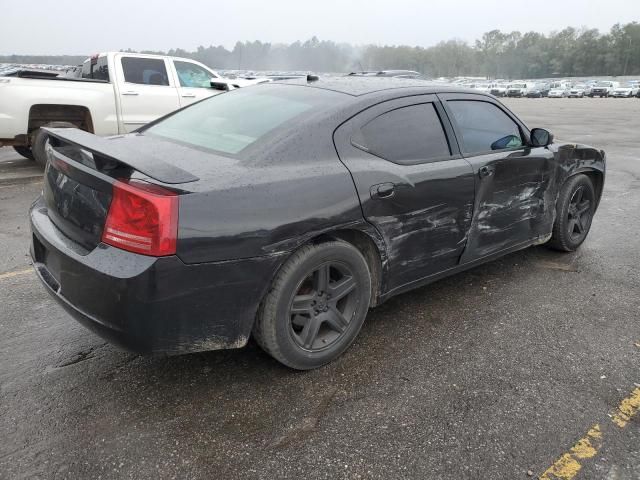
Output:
(15, 273)
(627, 409)
(568, 465)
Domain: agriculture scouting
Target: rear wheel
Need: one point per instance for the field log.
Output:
(24, 151)
(574, 213)
(316, 305)
(39, 140)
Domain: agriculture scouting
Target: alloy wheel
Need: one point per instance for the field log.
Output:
(322, 306)
(579, 212)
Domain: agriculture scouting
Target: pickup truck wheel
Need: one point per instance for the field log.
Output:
(39, 140)
(24, 151)
(316, 305)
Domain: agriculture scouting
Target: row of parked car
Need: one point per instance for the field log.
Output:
(560, 89)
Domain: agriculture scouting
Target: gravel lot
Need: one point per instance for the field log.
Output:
(493, 373)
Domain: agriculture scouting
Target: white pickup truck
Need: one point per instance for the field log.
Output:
(116, 93)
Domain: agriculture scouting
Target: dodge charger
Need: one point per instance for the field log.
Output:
(285, 211)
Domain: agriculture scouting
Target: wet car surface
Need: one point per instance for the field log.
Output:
(169, 221)
(492, 373)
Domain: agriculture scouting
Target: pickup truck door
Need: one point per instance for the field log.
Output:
(193, 81)
(146, 91)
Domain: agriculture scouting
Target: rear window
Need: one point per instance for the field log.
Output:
(96, 68)
(230, 122)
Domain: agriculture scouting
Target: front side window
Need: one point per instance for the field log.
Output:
(405, 135)
(484, 127)
(192, 75)
(145, 71)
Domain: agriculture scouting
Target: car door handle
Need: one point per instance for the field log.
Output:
(382, 190)
(486, 171)
(130, 92)
(189, 95)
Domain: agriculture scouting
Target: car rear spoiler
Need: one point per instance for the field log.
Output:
(114, 149)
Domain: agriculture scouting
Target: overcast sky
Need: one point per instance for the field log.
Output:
(91, 26)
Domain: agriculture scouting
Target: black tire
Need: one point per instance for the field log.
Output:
(310, 333)
(24, 151)
(39, 140)
(574, 212)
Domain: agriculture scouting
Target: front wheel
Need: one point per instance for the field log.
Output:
(574, 212)
(316, 305)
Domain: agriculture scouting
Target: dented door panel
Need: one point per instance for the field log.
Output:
(425, 220)
(514, 202)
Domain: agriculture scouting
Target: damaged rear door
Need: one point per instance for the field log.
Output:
(515, 183)
(413, 185)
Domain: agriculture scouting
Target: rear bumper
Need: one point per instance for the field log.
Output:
(147, 304)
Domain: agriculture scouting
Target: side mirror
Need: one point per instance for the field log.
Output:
(541, 137)
(216, 85)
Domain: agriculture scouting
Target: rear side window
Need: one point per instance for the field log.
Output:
(484, 127)
(96, 69)
(145, 71)
(405, 135)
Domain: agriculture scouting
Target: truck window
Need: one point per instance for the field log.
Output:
(96, 68)
(145, 71)
(192, 75)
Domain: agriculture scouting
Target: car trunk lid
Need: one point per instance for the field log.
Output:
(80, 175)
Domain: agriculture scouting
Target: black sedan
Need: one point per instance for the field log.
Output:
(285, 211)
(539, 91)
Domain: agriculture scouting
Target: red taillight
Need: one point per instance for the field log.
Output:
(142, 218)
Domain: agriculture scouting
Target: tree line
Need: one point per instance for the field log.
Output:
(569, 52)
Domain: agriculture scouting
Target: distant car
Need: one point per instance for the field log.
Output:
(390, 74)
(284, 211)
(627, 90)
(519, 89)
(558, 93)
(579, 91)
(485, 87)
(539, 90)
(500, 90)
(603, 88)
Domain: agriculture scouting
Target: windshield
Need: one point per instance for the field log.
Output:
(603, 84)
(518, 85)
(232, 121)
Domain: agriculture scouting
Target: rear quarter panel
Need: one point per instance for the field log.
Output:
(293, 192)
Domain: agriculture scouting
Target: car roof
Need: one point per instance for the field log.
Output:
(361, 85)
